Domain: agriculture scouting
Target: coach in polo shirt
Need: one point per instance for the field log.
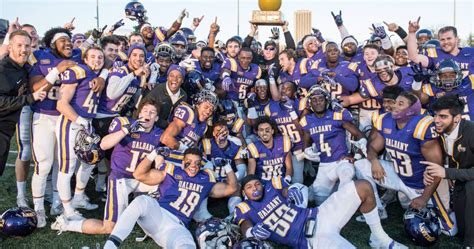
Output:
(13, 89)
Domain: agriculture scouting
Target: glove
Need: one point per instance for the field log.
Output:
(336, 105)
(227, 84)
(379, 31)
(260, 231)
(295, 196)
(82, 122)
(133, 128)
(327, 78)
(97, 33)
(312, 154)
(182, 15)
(188, 64)
(164, 151)
(337, 18)
(287, 104)
(317, 33)
(420, 74)
(271, 71)
(251, 100)
(117, 25)
(287, 179)
(360, 144)
(275, 33)
(219, 161)
(209, 86)
(154, 67)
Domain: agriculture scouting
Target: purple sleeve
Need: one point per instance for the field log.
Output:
(239, 216)
(118, 71)
(348, 81)
(346, 116)
(308, 80)
(182, 113)
(117, 124)
(68, 77)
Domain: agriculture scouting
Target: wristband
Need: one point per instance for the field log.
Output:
(104, 74)
(401, 32)
(227, 169)
(293, 115)
(248, 233)
(386, 43)
(416, 86)
(272, 81)
(52, 76)
(125, 130)
(252, 113)
(6, 40)
(151, 157)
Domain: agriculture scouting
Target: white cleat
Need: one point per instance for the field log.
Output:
(377, 244)
(56, 210)
(21, 202)
(84, 204)
(60, 224)
(382, 214)
(73, 216)
(41, 217)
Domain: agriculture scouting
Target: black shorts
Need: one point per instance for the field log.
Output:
(101, 127)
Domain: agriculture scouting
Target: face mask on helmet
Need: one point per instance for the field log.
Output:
(18, 222)
(422, 226)
(206, 96)
(449, 75)
(87, 147)
(316, 91)
(135, 11)
(384, 66)
(217, 233)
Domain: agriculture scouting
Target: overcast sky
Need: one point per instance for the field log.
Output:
(357, 15)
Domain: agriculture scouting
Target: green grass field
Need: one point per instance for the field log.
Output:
(355, 232)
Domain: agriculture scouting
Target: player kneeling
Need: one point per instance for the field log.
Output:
(181, 190)
(269, 212)
(132, 141)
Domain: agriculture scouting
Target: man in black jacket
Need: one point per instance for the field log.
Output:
(13, 86)
(169, 95)
(458, 143)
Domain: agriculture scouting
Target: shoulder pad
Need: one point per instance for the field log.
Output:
(79, 72)
(353, 66)
(253, 150)
(286, 144)
(276, 183)
(243, 207)
(206, 144)
(422, 126)
(212, 177)
(378, 122)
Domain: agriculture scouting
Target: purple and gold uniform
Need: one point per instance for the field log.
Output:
(244, 80)
(404, 146)
(114, 106)
(372, 88)
(126, 156)
(181, 194)
(464, 59)
(160, 35)
(362, 70)
(232, 151)
(194, 130)
(300, 75)
(270, 162)
(328, 134)
(285, 220)
(85, 101)
(213, 75)
(42, 63)
(465, 92)
(284, 123)
(346, 77)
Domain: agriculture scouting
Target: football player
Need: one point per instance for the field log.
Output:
(270, 212)
(270, 156)
(47, 67)
(153, 37)
(77, 105)
(370, 91)
(190, 124)
(409, 137)
(208, 66)
(296, 71)
(164, 58)
(131, 140)
(110, 46)
(232, 48)
(314, 48)
(326, 127)
(449, 49)
(181, 191)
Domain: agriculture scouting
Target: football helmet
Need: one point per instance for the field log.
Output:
(18, 222)
(194, 82)
(135, 11)
(433, 43)
(164, 50)
(188, 34)
(87, 147)
(422, 226)
(206, 96)
(424, 32)
(316, 90)
(216, 233)
(252, 243)
(228, 111)
(179, 39)
(448, 66)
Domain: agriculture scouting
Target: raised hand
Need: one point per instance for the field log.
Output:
(392, 27)
(197, 21)
(215, 27)
(414, 26)
(275, 33)
(70, 26)
(97, 33)
(379, 31)
(337, 18)
(117, 25)
(420, 74)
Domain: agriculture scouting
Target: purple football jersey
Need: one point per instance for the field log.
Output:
(131, 150)
(243, 79)
(42, 62)
(284, 123)
(212, 151)
(328, 134)
(464, 59)
(213, 75)
(346, 80)
(181, 194)
(270, 162)
(194, 130)
(285, 220)
(404, 145)
(85, 101)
